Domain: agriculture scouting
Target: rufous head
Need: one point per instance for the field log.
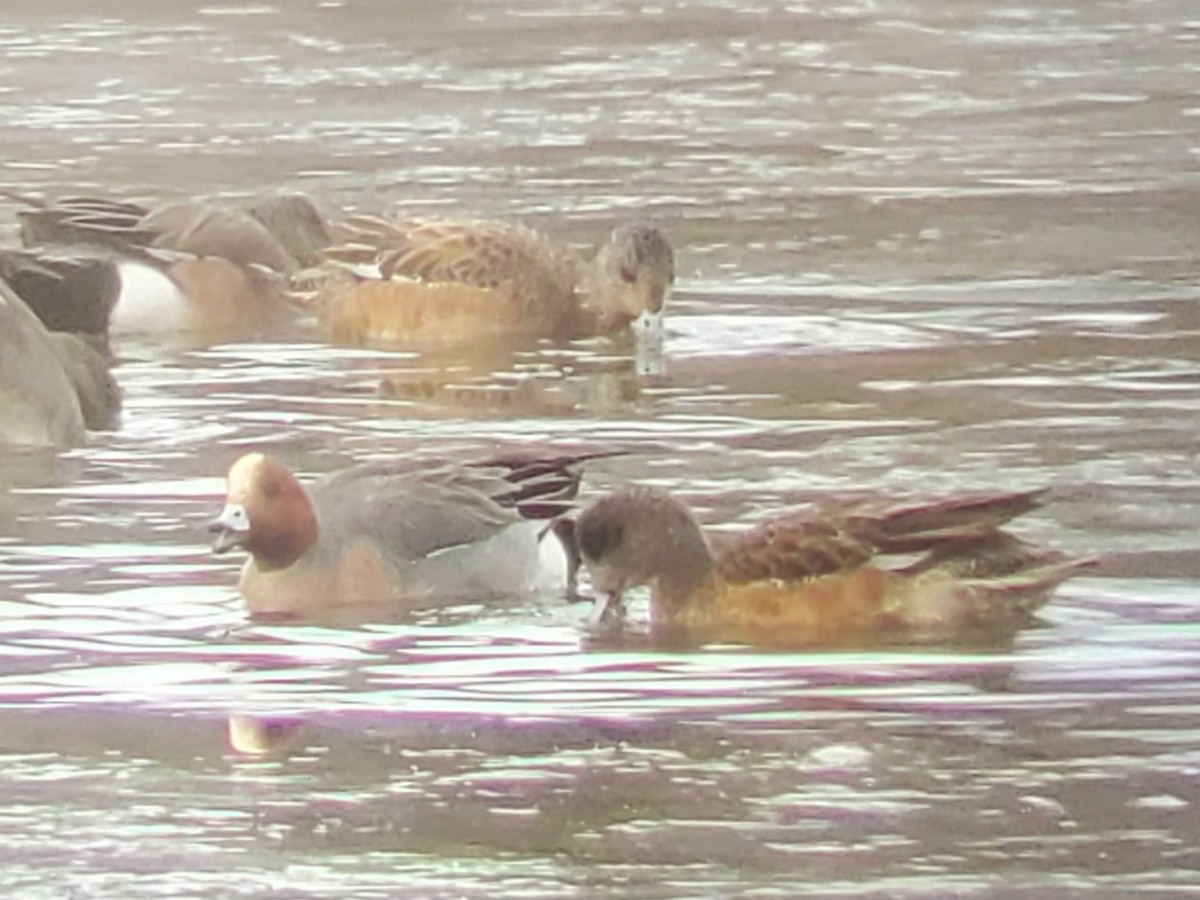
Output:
(267, 513)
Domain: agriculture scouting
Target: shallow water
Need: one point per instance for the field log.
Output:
(922, 246)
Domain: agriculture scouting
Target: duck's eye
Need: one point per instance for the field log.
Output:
(628, 275)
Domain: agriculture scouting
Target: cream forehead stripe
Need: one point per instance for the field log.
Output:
(245, 470)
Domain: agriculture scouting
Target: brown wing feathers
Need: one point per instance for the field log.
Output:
(800, 545)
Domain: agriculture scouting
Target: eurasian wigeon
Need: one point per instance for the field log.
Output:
(183, 267)
(448, 280)
(822, 576)
(279, 232)
(398, 530)
(53, 385)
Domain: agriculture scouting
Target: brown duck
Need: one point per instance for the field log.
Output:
(449, 280)
(190, 266)
(829, 575)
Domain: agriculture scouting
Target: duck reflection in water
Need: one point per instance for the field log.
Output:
(252, 735)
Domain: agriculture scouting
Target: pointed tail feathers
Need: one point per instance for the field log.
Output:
(918, 527)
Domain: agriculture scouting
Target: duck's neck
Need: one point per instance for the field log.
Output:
(686, 578)
(277, 553)
(282, 547)
(595, 304)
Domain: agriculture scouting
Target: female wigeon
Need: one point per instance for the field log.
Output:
(449, 280)
(820, 576)
(53, 385)
(183, 267)
(398, 530)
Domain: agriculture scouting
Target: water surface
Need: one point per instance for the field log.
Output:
(922, 246)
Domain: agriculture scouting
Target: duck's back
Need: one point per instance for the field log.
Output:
(461, 277)
(872, 566)
(38, 402)
(441, 531)
(484, 253)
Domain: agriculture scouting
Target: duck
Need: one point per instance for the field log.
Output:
(72, 292)
(184, 267)
(53, 386)
(280, 232)
(399, 530)
(90, 374)
(448, 280)
(865, 569)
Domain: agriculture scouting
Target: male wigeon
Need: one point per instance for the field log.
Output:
(183, 267)
(450, 280)
(822, 576)
(53, 385)
(279, 232)
(398, 530)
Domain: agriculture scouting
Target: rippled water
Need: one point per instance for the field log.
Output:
(922, 246)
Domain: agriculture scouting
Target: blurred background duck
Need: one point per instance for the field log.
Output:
(54, 386)
(189, 266)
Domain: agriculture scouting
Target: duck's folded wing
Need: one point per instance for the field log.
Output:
(479, 252)
(205, 229)
(409, 515)
(466, 252)
(86, 220)
(834, 538)
(913, 527)
(791, 547)
(540, 485)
